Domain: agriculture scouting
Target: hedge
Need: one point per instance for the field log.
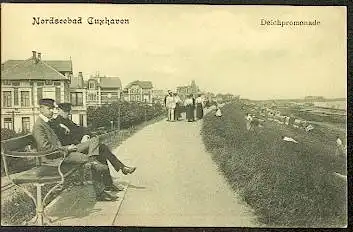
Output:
(131, 114)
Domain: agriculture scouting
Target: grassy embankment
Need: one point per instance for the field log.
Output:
(288, 185)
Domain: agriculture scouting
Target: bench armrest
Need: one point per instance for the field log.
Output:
(26, 154)
(38, 155)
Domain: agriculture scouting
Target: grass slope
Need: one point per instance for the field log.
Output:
(288, 185)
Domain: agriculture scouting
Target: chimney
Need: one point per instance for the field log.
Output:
(34, 55)
(39, 56)
(80, 79)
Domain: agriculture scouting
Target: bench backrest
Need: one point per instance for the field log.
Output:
(17, 143)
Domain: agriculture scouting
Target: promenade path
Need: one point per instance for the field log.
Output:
(176, 182)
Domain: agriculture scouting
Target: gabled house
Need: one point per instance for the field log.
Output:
(139, 91)
(78, 99)
(24, 82)
(103, 90)
(183, 91)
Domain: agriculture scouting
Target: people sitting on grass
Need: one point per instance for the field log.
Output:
(218, 112)
(248, 120)
(340, 151)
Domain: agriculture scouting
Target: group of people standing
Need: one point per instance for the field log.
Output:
(192, 106)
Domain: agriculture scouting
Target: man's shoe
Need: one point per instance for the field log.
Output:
(114, 188)
(128, 170)
(104, 196)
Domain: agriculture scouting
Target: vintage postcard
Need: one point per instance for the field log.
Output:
(173, 115)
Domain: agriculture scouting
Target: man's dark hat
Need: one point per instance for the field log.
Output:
(47, 102)
(65, 106)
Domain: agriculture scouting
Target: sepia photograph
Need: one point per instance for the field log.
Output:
(174, 115)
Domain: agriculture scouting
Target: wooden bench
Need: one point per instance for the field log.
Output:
(44, 173)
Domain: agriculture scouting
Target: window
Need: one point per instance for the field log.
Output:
(39, 93)
(49, 93)
(26, 124)
(77, 99)
(24, 98)
(6, 82)
(57, 83)
(15, 96)
(138, 98)
(7, 99)
(92, 97)
(81, 119)
(48, 82)
(16, 83)
(91, 85)
(40, 83)
(8, 123)
(58, 94)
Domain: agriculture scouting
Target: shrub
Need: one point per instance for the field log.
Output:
(131, 114)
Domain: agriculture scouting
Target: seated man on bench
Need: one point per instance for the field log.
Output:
(46, 139)
(69, 132)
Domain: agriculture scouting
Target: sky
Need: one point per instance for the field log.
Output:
(225, 49)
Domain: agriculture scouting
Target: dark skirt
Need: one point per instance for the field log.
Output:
(177, 111)
(189, 112)
(199, 111)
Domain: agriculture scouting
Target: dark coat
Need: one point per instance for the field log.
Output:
(76, 132)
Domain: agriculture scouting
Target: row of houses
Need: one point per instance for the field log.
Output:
(24, 82)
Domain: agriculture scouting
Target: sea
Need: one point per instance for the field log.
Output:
(342, 105)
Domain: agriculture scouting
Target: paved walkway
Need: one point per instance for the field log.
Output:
(176, 182)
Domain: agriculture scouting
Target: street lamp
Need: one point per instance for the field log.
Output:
(145, 109)
(111, 125)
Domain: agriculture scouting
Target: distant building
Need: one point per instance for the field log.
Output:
(139, 91)
(158, 95)
(24, 82)
(103, 90)
(183, 91)
(78, 99)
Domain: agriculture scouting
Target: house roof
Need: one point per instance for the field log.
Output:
(59, 65)
(29, 70)
(142, 84)
(110, 82)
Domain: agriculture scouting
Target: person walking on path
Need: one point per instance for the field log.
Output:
(177, 111)
(189, 107)
(170, 104)
(199, 107)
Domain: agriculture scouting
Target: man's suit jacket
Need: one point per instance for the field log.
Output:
(45, 137)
